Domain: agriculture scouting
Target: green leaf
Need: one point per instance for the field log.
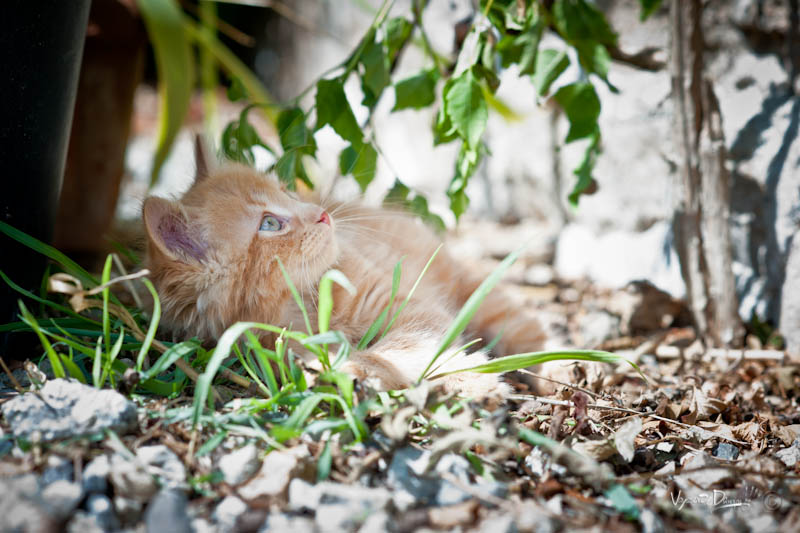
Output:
(521, 49)
(293, 132)
(443, 130)
(466, 108)
(459, 202)
(584, 170)
(417, 91)
(334, 109)
(578, 20)
(376, 72)
(582, 106)
(398, 30)
(622, 501)
(164, 20)
(396, 195)
(648, 8)
(549, 66)
(595, 58)
(361, 162)
(236, 90)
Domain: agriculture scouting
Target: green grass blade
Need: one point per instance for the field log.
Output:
(177, 351)
(246, 363)
(469, 309)
(524, 360)
(455, 354)
(112, 356)
(296, 295)
(69, 266)
(264, 362)
(376, 326)
(151, 331)
(325, 462)
(296, 373)
(61, 308)
(220, 353)
(73, 369)
(325, 305)
(98, 358)
(165, 24)
(106, 318)
(52, 356)
(343, 381)
(411, 292)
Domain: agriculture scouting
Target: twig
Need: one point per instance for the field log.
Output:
(675, 352)
(654, 416)
(127, 281)
(11, 377)
(563, 383)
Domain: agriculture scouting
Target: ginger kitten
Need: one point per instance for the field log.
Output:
(212, 258)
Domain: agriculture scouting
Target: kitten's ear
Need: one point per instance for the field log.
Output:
(203, 161)
(169, 233)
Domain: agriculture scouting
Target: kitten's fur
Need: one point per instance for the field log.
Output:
(213, 267)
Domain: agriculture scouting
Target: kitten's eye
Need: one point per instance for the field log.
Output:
(270, 223)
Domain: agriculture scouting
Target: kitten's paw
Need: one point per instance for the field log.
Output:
(477, 386)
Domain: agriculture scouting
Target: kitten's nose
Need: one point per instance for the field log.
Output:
(324, 218)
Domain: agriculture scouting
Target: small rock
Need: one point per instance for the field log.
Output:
(530, 516)
(100, 507)
(726, 451)
(21, 509)
(539, 275)
(404, 477)
(448, 493)
(284, 523)
(167, 512)
(163, 462)
(95, 475)
(498, 523)
(128, 510)
(411, 485)
(227, 511)
(62, 498)
(240, 465)
(131, 478)
(596, 327)
(651, 522)
(201, 525)
(790, 456)
(57, 469)
(379, 522)
(450, 516)
(304, 496)
(65, 408)
(83, 522)
(277, 470)
(338, 507)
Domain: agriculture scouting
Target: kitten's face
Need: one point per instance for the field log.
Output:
(222, 239)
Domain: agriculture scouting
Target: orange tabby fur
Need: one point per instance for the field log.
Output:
(213, 267)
